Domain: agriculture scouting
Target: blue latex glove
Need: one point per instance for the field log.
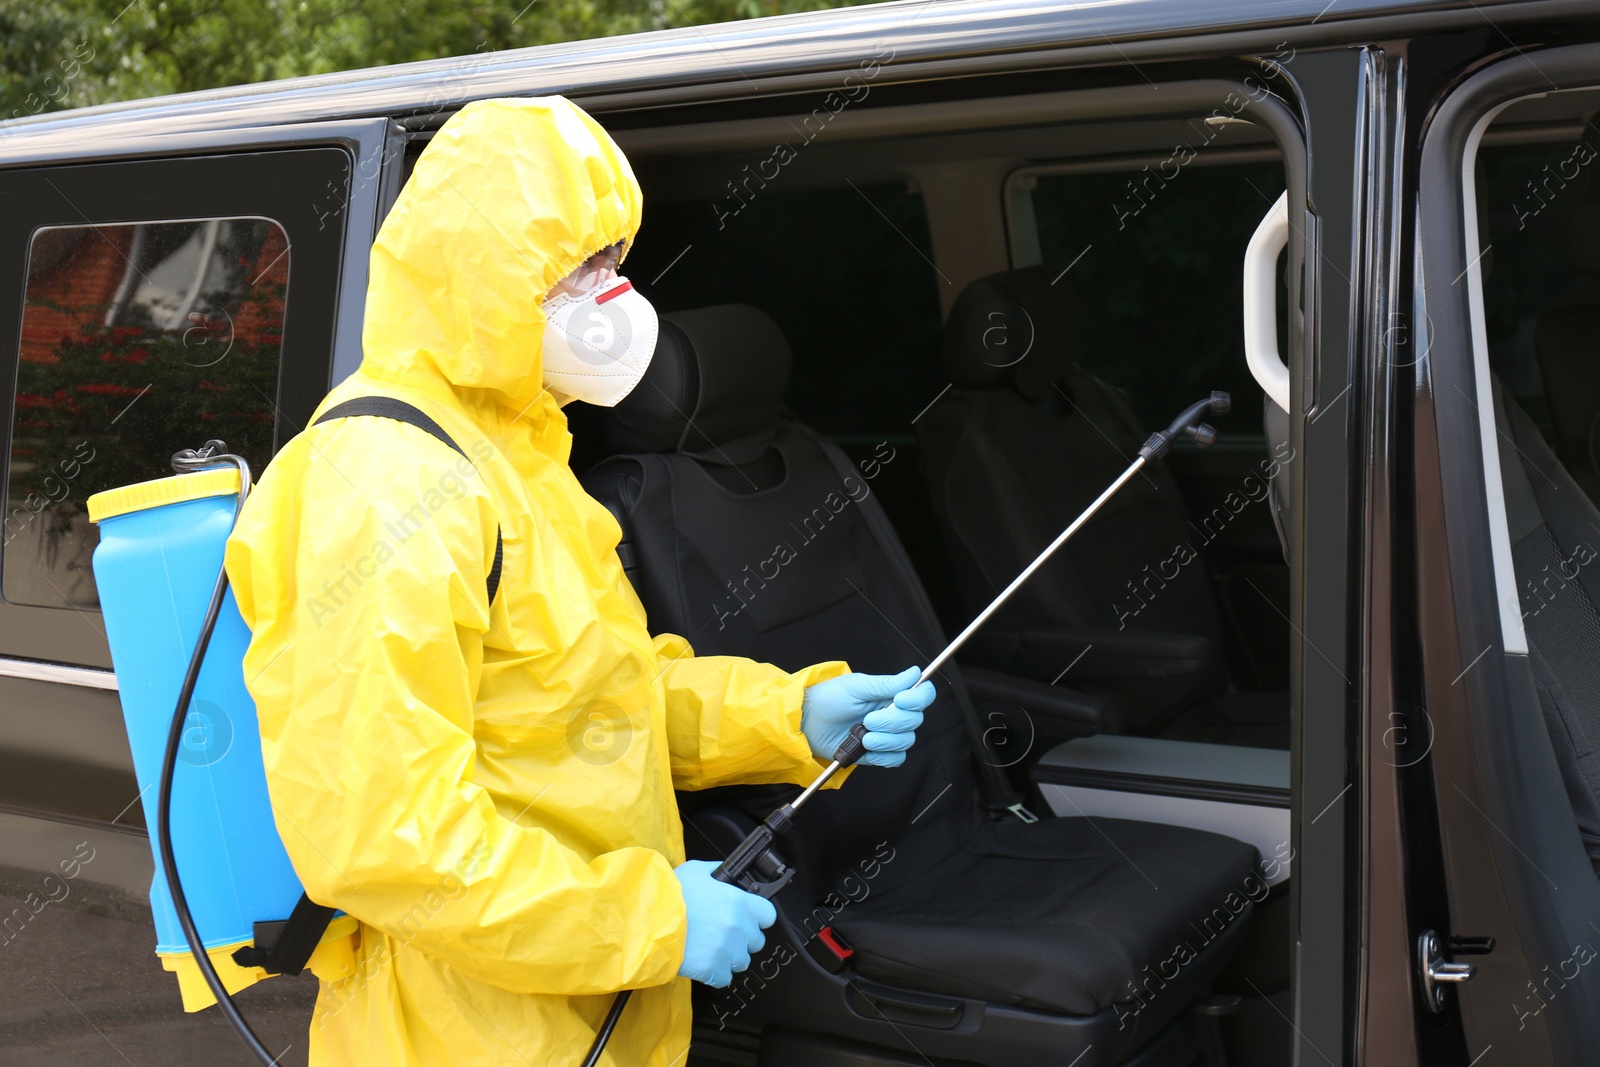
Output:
(891, 711)
(725, 925)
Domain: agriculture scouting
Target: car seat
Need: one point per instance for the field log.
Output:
(1024, 441)
(926, 917)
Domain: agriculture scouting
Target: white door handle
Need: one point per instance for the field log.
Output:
(1261, 303)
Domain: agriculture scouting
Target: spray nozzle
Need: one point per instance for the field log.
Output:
(1189, 422)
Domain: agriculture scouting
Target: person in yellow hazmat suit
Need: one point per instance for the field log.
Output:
(486, 785)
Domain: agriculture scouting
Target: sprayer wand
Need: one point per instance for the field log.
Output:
(755, 865)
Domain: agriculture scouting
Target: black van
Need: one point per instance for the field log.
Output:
(979, 249)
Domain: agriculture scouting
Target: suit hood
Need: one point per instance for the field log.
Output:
(508, 198)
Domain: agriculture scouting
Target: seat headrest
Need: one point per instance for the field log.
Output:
(713, 390)
(1015, 328)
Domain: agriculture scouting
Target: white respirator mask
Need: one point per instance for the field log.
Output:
(599, 333)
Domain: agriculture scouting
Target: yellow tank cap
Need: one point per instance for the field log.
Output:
(175, 490)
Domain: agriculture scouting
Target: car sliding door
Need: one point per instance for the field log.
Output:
(148, 306)
(1521, 902)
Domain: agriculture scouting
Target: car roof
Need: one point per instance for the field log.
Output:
(761, 56)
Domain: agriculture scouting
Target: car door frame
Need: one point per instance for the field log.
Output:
(1331, 94)
(1330, 106)
(1497, 789)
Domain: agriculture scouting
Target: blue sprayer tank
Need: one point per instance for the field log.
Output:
(160, 551)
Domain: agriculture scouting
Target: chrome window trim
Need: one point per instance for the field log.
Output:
(1512, 636)
(60, 673)
(782, 54)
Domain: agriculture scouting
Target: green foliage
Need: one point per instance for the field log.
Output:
(57, 54)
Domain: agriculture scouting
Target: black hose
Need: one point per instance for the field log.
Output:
(169, 862)
(213, 454)
(606, 1027)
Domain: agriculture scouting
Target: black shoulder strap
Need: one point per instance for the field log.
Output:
(999, 796)
(387, 407)
(283, 947)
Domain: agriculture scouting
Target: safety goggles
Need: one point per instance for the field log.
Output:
(594, 271)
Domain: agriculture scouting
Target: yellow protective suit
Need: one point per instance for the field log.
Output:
(486, 787)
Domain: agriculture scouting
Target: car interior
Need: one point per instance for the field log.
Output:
(906, 341)
(894, 364)
(823, 465)
(903, 345)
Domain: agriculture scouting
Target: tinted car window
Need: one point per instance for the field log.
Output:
(846, 272)
(136, 339)
(1160, 272)
(1527, 198)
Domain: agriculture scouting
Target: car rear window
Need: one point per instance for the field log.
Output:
(134, 336)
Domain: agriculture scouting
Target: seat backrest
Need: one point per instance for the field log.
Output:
(1555, 548)
(741, 534)
(1022, 443)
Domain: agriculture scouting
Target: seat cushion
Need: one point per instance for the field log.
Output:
(1071, 915)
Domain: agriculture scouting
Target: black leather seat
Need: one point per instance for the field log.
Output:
(976, 936)
(1022, 443)
(1050, 916)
